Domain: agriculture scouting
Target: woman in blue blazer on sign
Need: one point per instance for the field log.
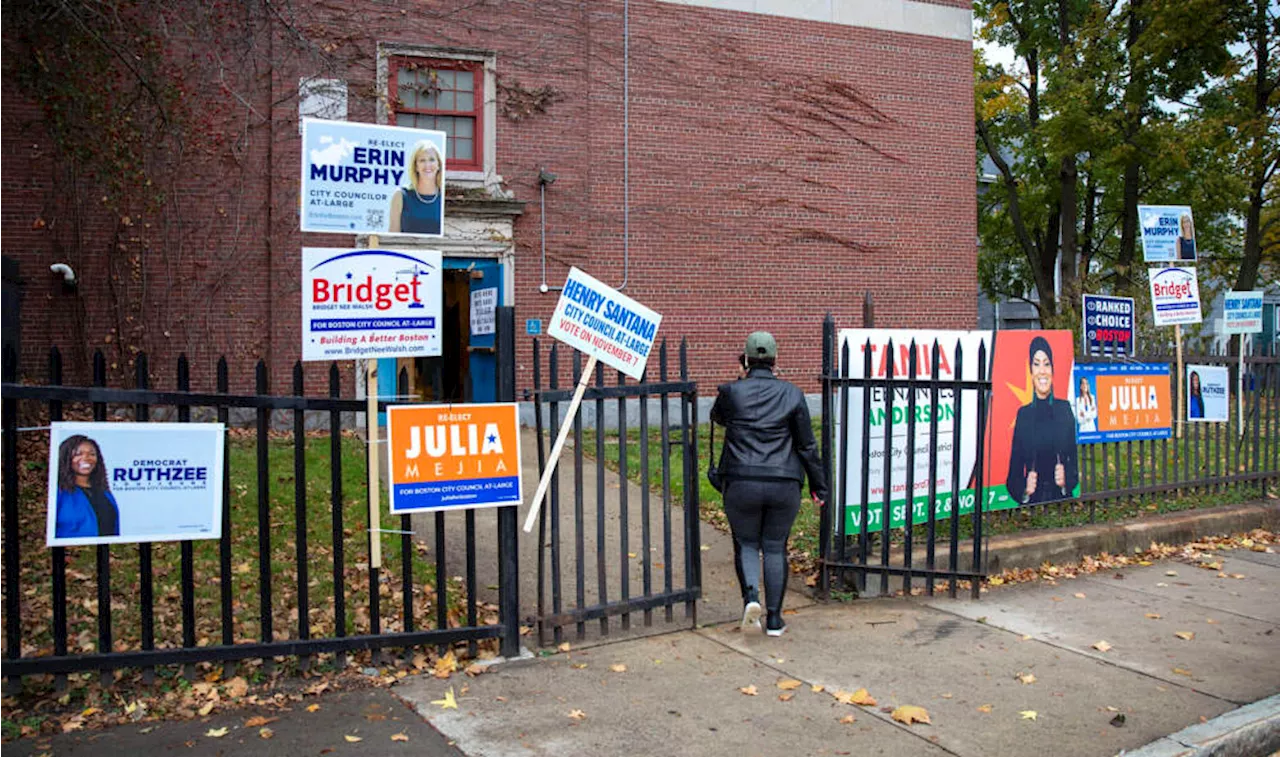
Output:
(85, 506)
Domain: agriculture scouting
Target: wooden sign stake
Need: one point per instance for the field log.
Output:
(371, 437)
(1181, 419)
(550, 470)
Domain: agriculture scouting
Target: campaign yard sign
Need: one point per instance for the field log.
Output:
(1168, 233)
(1121, 402)
(360, 303)
(453, 457)
(1175, 296)
(1108, 325)
(372, 179)
(1242, 313)
(857, 344)
(1207, 394)
(602, 322)
(120, 483)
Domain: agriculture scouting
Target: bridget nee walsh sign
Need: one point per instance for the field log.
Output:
(1175, 296)
(601, 321)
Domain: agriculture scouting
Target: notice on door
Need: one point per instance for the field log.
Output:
(484, 305)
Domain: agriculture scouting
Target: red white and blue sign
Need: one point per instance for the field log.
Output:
(359, 304)
(1175, 296)
(1108, 325)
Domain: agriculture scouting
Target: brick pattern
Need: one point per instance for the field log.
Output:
(779, 169)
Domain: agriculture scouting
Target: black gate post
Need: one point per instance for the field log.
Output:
(824, 517)
(508, 541)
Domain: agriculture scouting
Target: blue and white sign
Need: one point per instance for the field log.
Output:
(533, 326)
(372, 179)
(1175, 296)
(360, 304)
(1242, 313)
(1168, 233)
(1207, 394)
(122, 483)
(601, 321)
(1108, 325)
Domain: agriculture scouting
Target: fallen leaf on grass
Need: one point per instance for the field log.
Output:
(352, 739)
(618, 668)
(789, 684)
(909, 714)
(749, 690)
(400, 736)
(448, 703)
(313, 707)
(1152, 616)
(577, 714)
(257, 721)
(1186, 635)
(1102, 646)
(216, 733)
(265, 733)
(1026, 678)
(985, 708)
(1028, 714)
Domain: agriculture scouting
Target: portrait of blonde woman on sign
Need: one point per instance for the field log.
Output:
(1086, 408)
(418, 207)
(85, 505)
(1186, 238)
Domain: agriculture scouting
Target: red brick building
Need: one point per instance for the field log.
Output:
(738, 164)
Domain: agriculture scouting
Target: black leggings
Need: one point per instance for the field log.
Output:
(760, 515)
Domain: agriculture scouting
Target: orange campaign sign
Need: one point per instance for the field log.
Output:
(1116, 402)
(453, 457)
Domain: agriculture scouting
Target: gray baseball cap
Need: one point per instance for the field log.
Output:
(761, 345)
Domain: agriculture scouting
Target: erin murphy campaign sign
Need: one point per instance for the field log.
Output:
(360, 303)
(454, 457)
(1175, 296)
(372, 179)
(1108, 325)
(601, 321)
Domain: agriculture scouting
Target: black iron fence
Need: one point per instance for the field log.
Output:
(321, 596)
(587, 571)
(1201, 463)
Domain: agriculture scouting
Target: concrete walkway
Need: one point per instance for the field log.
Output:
(681, 693)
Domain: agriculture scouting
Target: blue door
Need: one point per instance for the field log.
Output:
(486, 296)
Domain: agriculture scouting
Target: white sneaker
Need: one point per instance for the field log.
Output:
(776, 631)
(751, 615)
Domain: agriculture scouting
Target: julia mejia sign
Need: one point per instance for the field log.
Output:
(453, 457)
(598, 320)
(372, 179)
(1121, 402)
(370, 303)
(875, 342)
(119, 483)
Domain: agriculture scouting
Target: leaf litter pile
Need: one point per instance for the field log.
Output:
(47, 704)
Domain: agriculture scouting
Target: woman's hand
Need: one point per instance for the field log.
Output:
(1032, 480)
(1060, 474)
(817, 500)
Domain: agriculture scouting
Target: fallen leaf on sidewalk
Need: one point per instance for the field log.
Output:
(789, 683)
(208, 708)
(1237, 575)
(985, 708)
(237, 687)
(1080, 595)
(579, 665)
(909, 714)
(618, 668)
(847, 719)
(577, 714)
(1171, 572)
(448, 703)
(1182, 671)
(216, 733)
(948, 695)
(1152, 616)
(1028, 714)
(1026, 678)
(786, 696)
(1186, 635)
(816, 688)
(565, 647)
(313, 707)
(1025, 637)
(258, 720)
(402, 736)
(1214, 565)
(1211, 621)
(749, 690)
(862, 697)
(352, 739)
(445, 665)
(1102, 646)
(265, 733)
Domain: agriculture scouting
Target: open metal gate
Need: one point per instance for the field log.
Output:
(601, 553)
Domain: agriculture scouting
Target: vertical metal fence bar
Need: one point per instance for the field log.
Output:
(59, 554)
(225, 581)
(337, 534)
(579, 493)
(146, 587)
(508, 528)
(935, 353)
(472, 611)
(442, 578)
(864, 527)
(300, 513)
(664, 412)
(886, 506)
(12, 563)
(541, 594)
(602, 583)
(186, 548)
(553, 511)
(953, 556)
(692, 515)
(840, 508)
(624, 519)
(646, 529)
(265, 619)
(910, 490)
(104, 550)
(975, 584)
(824, 517)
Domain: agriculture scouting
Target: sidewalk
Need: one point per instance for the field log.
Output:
(680, 693)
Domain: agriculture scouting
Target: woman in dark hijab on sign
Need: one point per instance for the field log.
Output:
(1042, 456)
(418, 207)
(85, 506)
(1195, 399)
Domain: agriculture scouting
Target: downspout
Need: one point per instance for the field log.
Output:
(626, 142)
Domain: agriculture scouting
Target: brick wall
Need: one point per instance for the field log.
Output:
(779, 170)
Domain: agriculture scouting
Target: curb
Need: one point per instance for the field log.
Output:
(1245, 732)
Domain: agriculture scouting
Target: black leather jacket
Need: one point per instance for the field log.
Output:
(768, 434)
